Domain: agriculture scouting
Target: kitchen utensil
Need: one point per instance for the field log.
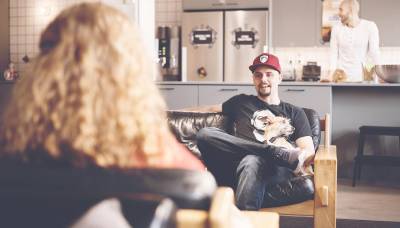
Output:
(311, 72)
(389, 73)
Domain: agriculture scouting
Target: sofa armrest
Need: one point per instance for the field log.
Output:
(185, 125)
(325, 181)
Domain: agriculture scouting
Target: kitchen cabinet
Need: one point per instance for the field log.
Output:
(179, 96)
(217, 94)
(385, 13)
(318, 98)
(296, 23)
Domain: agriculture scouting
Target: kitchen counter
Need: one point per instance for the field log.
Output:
(296, 83)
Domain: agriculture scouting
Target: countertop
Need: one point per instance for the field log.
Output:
(297, 83)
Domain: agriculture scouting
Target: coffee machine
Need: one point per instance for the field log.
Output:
(169, 53)
(222, 39)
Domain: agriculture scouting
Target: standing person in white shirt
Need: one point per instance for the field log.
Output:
(352, 41)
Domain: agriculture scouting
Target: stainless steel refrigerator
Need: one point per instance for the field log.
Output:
(202, 36)
(222, 44)
(245, 38)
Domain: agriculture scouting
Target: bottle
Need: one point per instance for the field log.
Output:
(298, 68)
(292, 70)
(288, 71)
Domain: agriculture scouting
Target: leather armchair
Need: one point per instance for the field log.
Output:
(298, 196)
(48, 196)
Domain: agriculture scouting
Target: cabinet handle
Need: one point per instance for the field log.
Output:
(168, 88)
(295, 90)
(228, 90)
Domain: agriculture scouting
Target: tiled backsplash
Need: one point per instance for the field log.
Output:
(27, 20)
(168, 12)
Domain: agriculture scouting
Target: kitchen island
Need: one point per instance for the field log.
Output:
(351, 105)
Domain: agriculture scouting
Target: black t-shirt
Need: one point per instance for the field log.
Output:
(249, 114)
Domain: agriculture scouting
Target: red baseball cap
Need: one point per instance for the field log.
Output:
(266, 59)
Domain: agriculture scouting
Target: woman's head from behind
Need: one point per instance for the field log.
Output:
(90, 93)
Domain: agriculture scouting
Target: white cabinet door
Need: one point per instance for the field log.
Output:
(179, 96)
(318, 98)
(218, 94)
(296, 23)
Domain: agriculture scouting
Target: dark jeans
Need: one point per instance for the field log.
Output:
(246, 166)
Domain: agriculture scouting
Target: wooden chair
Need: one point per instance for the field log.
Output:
(323, 207)
(224, 214)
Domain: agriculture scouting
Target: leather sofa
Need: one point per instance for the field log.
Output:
(185, 125)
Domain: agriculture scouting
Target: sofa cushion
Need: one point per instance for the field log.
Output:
(314, 119)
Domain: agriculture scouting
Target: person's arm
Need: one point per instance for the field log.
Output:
(333, 52)
(305, 143)
(207, 108)
(373, 43)
(302, 134)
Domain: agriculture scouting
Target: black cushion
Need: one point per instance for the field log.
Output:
(56, 196)
(192, 189)
(185, 126)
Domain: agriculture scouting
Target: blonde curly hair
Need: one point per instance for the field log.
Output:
(90, 93)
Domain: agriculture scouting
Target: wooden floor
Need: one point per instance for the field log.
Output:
(368, 201)
(368, 205)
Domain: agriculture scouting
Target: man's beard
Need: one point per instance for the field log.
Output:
(263, 93)
(345, 20)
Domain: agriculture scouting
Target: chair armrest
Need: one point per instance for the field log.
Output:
(219, 216)
(325, 181)
(221, 207)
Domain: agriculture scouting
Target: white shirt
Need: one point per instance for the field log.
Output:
(350, 47)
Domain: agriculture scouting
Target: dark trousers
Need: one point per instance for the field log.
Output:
(246, 166)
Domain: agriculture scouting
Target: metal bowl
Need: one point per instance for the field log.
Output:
(388, 73)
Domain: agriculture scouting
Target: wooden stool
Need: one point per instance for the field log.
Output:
(361, 159)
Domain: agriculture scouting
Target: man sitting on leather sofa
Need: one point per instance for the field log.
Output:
(243, 160)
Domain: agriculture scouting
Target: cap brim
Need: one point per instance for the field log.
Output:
(252, 68)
